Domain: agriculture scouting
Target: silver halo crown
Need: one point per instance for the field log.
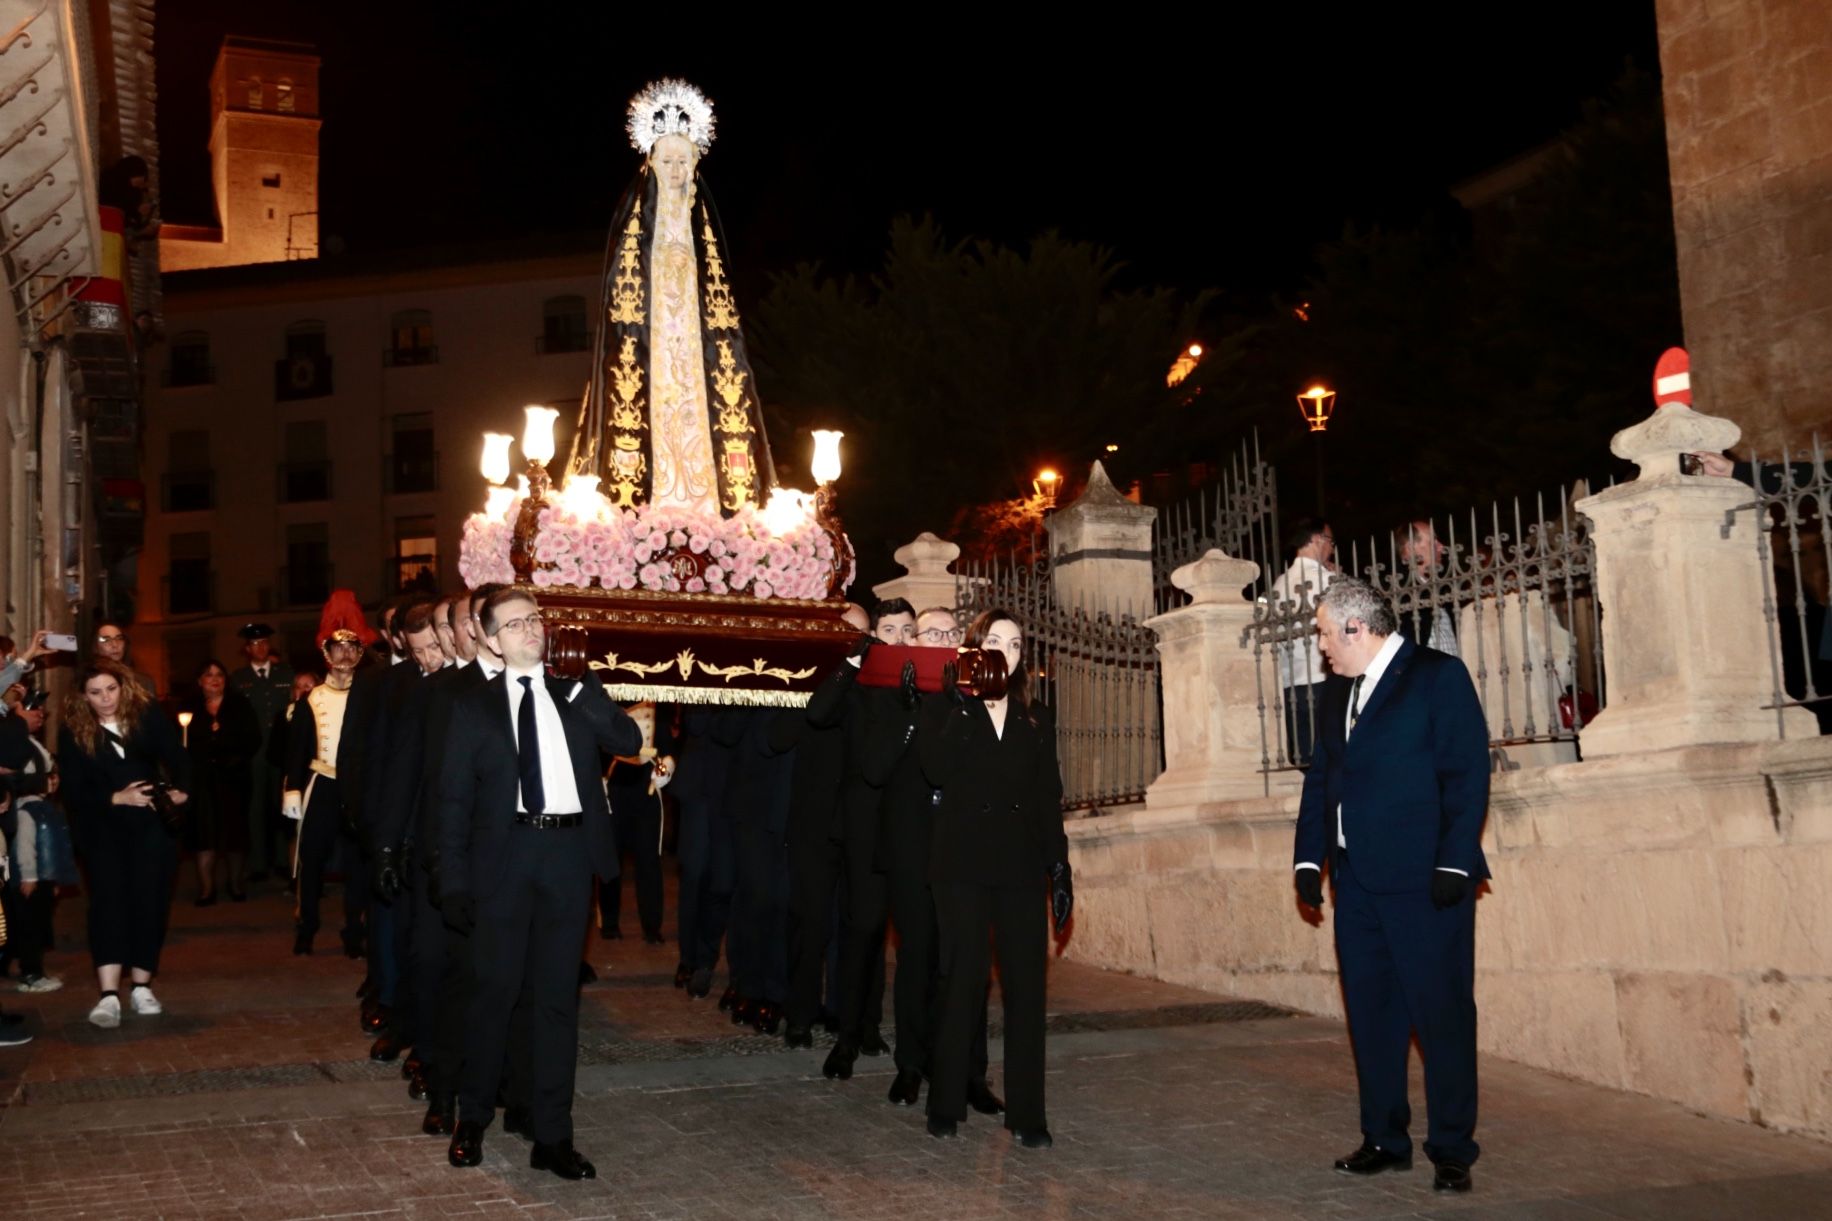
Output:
(670, 107)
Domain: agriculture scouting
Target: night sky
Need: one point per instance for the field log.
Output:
(1208, 155)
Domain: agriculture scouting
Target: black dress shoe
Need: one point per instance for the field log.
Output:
(981, 1098)
(302, 942)
(412, 1066)
(872, 1043)
(1033, 1138)
(682, 973)
(1451, 1176)
(208, 900)
(374, 1017)
(588, 974)
(742, 1009)
(611, 934)
(942, 1129)
(353, 945)
(728, 998)
(700, 985)
(518, 1122)
(798, 1036)
(441, 1117)
(906, 1088)
(563, 1160)
(416, 1087)
(839, 1061)
(467, 1145)
(651, 939)
(1370, 1160)
(767, 1018)
(386, 1049)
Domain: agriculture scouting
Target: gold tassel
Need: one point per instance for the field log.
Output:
(733, 697)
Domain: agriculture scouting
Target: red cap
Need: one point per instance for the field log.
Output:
(342, 617)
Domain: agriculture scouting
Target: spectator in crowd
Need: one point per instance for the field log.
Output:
(38, 845)
(222, 739)
(111, 645)
(1426, 610)
(1300, 662)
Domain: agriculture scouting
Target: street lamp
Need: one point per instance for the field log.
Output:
(1045, 485)
(1317, 404)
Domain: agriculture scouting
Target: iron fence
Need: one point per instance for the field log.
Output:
(1097, 673)
(1792, 501)
(1238, 513)
(1512, 596)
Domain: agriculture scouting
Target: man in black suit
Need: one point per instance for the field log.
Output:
(1394, 804)
(521, 788)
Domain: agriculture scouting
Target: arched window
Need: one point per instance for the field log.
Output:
(563, 326)
(191, 360)
(254, 93)
(411, 339)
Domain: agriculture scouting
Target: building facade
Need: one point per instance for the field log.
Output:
(317, 425)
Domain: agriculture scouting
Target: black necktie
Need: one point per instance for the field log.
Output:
(1354, 701)
(528, 751)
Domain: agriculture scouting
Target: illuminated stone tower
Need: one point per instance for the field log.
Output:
(263, 160)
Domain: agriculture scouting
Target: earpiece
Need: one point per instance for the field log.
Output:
(1351, 630)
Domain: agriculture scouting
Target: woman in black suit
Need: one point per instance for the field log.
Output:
(997, 840)
(115, 746)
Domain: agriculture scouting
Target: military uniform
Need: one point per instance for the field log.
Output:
(269, 692)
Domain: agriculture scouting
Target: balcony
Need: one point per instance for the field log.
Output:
(395, 358)
(303, 482)
(302, 377)
(304, 584)
(408, 573)
(187, 491)
(188, 589)
(404, 473)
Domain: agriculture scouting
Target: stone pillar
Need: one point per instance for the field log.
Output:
(1100, 551)
(1685, 647)
(926, 580)
(1212, 747)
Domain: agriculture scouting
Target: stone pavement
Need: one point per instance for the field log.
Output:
(251, 1098)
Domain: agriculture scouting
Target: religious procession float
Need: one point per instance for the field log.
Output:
(668, 557)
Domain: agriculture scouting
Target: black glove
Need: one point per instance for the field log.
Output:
(907, 691)
(1062, 894)
(862, 647)
(460, 911)
(950, 683)
(1448, 888)
(386, 872)
(1310, 887)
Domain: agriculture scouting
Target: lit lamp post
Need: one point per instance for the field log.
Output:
(1316, 404)
(494, 466)
(825, 467)
(537, 447)
(1045, 486)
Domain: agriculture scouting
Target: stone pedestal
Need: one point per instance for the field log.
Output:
(1212, 744)
(926, 581)
(1685, 647)
(1100, 550)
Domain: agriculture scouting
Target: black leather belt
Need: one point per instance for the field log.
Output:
(547, 822)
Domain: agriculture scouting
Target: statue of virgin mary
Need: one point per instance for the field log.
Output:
(671, 416)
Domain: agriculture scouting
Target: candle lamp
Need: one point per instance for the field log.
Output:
(184, 728)
(825, 468)
(537, 447)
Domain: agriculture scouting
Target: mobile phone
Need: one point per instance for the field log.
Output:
(63, 642)
(37, 699)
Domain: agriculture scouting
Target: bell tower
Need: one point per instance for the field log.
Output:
(263, 159)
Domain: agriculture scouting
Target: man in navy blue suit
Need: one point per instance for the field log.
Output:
(1393, 804)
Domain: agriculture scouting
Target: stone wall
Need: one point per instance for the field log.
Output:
(1748, 94)
(1657, 922)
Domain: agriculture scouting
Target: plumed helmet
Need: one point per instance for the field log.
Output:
(342, 619)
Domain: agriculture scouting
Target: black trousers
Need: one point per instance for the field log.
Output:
(322, 834)
(867, 904)
(972, 919)
(916, 992)
(708, 870)
(28, 919)
(814, 879)
(636, 821)
(760, 915)
(130, 860)
(439, 979)
(529, 929)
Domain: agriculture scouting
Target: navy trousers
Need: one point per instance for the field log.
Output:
(1408, 967)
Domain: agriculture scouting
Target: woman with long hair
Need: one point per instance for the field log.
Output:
(121, 762)
(222, 740)
(998, 865)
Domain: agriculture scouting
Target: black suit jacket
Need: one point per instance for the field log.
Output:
(416, 756)
(1000, 818)
(1410, 785)
(481, 778)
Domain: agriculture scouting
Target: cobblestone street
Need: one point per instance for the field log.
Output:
(252, 1097)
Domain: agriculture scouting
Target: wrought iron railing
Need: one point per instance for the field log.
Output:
(1237, 513)
(1512, 596)
(1792, 499)
(1097, 673)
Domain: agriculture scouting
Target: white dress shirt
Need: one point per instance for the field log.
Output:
(1300, 661)
(557, 784)
(1370, 678)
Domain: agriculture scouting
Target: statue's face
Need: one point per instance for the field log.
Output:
(673, 158)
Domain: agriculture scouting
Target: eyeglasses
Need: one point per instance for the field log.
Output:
(527, 623)
(940, 635)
